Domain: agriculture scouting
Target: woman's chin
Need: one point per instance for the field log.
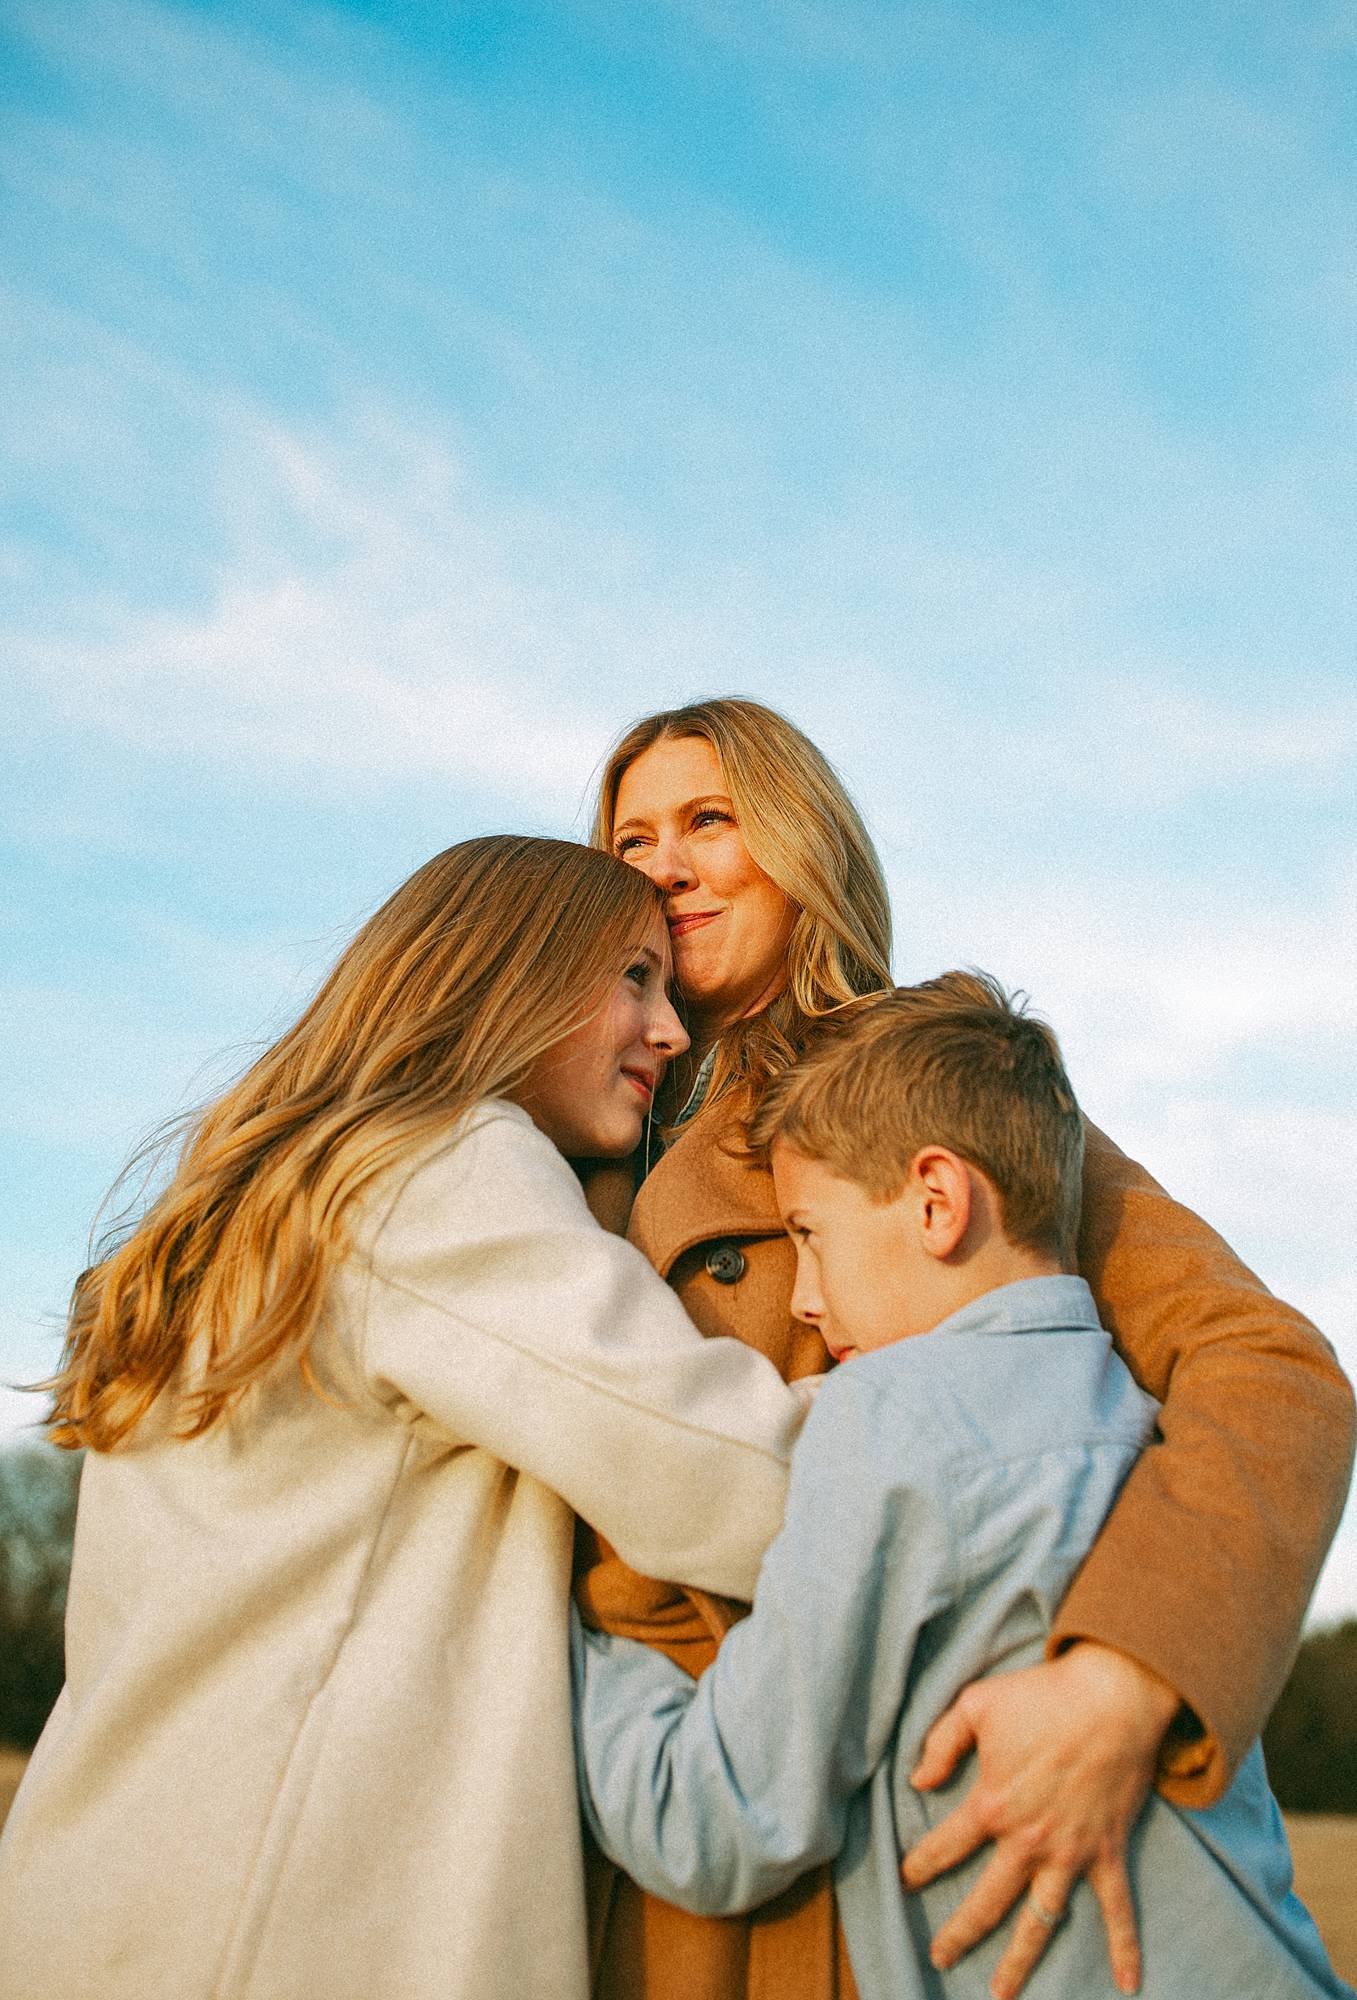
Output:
(697, 978)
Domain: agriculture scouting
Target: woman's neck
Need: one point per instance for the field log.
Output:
(706, 1025)
(705, 1028)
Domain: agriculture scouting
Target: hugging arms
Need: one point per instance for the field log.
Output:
(340, 1381)
(926, 1155)
(1178, 1631)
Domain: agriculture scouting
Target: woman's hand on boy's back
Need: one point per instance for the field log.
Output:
(1066, 1755)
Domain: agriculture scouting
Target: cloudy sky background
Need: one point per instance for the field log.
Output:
(401, 398)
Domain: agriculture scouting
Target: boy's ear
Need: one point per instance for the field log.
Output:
(942, 1192)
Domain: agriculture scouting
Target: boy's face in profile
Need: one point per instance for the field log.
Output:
(861, 1274)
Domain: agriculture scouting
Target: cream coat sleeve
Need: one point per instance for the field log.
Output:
(493, 1307)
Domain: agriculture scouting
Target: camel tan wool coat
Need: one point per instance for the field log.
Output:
(1203, 1571)
(316, 1739)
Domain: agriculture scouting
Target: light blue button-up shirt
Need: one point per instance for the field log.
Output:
(943, 1493)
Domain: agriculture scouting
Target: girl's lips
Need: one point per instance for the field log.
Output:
(641, 1083)
(690, 921)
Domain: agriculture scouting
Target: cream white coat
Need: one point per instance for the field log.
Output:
(316, 1738)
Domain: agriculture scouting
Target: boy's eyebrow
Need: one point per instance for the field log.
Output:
(686, 805)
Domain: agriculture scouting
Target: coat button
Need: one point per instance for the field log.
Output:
(725, 1263)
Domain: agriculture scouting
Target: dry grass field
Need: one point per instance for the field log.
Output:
(1324, 1849)
(1324, 1846)
(11, 1770)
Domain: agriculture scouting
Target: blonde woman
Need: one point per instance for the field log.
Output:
(1179, 1629)
(342, 1387)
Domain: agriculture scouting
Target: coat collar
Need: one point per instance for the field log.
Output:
(699, 1191)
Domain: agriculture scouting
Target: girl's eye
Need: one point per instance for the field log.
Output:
(638, 973)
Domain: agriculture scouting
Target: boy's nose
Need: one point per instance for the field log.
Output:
(806, 1303)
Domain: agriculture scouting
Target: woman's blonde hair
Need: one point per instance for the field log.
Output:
(807, 836)
(487, 956)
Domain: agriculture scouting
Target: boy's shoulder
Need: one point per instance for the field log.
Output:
(1023, 1373)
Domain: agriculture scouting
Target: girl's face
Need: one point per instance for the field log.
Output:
(729, 922)
(591, 1093)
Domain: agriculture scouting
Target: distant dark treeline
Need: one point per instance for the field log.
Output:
(1310, 1741)
(37, 1519)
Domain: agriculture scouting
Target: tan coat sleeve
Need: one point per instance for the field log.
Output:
(1206, 1564)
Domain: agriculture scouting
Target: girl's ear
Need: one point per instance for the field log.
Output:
(941, 1181)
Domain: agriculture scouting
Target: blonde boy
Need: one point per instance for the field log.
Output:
(929, 1150)
(927, 1155)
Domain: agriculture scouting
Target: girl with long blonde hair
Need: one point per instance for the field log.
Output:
(341, 1387)
(1177, 1633)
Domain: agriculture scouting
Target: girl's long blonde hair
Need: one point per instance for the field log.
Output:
(807, 836)
(488, 955)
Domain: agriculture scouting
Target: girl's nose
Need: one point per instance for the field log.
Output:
(666, 1033)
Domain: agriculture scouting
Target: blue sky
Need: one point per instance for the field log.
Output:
(401, 398)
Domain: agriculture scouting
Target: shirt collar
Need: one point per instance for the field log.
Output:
(658, 1137)
(1044, 1305)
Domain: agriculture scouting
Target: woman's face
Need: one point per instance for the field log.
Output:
(729, 923)
(591, 1093)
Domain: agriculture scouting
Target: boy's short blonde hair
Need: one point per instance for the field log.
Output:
(954, 1062)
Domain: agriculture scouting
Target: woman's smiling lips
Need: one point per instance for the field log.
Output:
(689, 920)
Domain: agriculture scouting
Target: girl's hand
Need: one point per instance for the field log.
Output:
(1067, 1753)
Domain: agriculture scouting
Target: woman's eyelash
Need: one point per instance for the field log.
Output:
(708, 815)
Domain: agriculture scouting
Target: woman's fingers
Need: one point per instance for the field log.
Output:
(949, 1842)
(1065, 1754)
(1039, 1919)
(947, 1742)
(1112, 1886)
(1045, 1898)
(990, 1899)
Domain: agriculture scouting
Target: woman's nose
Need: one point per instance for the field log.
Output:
(666, 1034)
(668, 866)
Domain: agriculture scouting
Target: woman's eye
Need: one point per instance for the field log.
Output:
(625, 844)
(712, 816)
